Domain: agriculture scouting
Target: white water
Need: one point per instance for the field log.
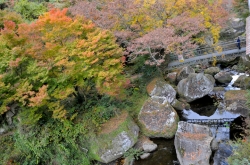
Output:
(235, 77)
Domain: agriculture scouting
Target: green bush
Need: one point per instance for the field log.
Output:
(29, 10)
(133, 153)
(241, 152)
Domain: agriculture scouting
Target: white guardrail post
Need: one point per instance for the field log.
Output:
(248, 35)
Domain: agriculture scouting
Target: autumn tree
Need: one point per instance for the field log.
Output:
(56, 58)
(130, 20)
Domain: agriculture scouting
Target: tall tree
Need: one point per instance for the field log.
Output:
(53, 58)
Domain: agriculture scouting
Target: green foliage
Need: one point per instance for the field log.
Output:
(133, 153)
(244, 161)
(53, 142)
(240, 7)
(7, 148)
(29, 10)
(241, 152)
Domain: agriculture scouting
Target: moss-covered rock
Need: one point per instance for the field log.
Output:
(117, 136)
(180, 105)
(242, 82)
(235, 102)
(212, 70)
(227, 62)
(158, 120)
(223, 77)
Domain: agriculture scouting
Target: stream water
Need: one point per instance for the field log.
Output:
(200, 109)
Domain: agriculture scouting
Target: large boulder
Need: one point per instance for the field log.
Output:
(245, 61)
(212, 70)
(223, 77)
(235, 102)
(192, 143)
(161, 91)
(195, 86)
(117, 136)
(158, 120)
(242, 82)
(184, 72)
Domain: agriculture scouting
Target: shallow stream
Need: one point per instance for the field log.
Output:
(204, 108)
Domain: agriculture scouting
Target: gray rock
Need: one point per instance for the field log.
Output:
(235, 102)
(180, 105)
(158, 120)
(10, 113)
(223, 152)
(161, 91)
(2, 131)
(245, 61)
(184, 72)
(144, 155)
(149, 147)
(223, 77)
(145, 144)
(214, 145)
(117, 136)
(195, 86)
(212, 70)
(237, 23)
(242, 82)
(192, 143)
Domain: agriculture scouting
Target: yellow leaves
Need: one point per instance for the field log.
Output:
(112, 62)
(215, 31)
(103, 74)
(148, 3)
(180, 4)
(58, 111)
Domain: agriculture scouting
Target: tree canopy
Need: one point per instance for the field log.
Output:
(137, 20)
(49, 60)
